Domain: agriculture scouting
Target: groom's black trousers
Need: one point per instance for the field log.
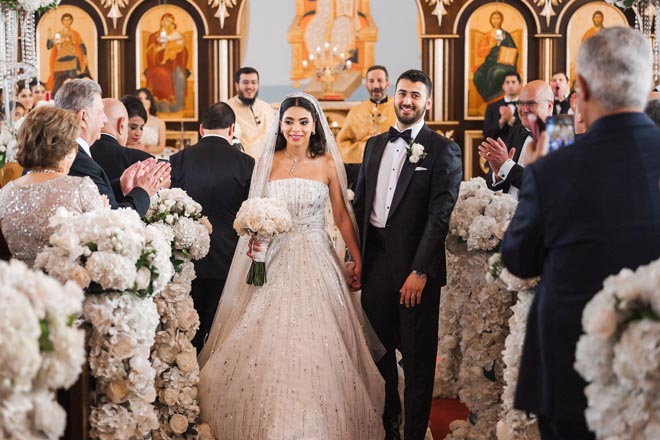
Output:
(414, 331)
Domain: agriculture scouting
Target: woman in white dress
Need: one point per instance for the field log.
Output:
(290, 359)
(153, 136)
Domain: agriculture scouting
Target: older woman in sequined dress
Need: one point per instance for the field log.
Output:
(46, 149)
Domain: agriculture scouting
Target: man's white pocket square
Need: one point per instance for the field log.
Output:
(420, 169)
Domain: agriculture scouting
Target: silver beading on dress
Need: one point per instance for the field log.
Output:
(292, 359)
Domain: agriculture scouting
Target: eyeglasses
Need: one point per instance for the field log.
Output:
(530, 103)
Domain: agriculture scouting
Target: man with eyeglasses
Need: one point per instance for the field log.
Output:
(585, 213)
(507, 159)
(253, 115)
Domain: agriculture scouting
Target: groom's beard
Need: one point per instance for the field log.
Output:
(411, 118)
(248, 101)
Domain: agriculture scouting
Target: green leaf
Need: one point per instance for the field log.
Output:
(489, 374)
(45, 345)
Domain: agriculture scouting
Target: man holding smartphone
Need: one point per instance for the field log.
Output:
(507, 158)
(585, 213)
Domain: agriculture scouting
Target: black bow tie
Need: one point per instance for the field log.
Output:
(395, 134)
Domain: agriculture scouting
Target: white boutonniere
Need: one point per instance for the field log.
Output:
(415, 152)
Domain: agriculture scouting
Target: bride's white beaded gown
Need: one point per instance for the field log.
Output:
(297, 365)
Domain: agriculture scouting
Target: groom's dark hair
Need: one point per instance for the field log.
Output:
(218, 116)
(415, 75)
(317, 140)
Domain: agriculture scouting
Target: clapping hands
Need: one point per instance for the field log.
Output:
(150, 175)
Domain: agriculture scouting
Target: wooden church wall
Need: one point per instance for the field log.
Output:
(449, 42)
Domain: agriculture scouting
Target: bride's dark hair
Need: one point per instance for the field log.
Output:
(317, 140)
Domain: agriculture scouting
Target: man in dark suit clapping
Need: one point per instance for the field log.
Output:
(216, 175)
(135, 186)
(585, 212)
(110, 150)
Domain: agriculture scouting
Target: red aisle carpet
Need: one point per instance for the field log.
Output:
(443, 412)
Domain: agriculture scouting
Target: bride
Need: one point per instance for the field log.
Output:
(290, 359)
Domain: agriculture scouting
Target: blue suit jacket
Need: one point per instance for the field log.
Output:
(585, 212)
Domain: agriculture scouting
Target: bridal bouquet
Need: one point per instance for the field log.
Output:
(41, 350)
(180, 219)
(262, 218)
(619, 355)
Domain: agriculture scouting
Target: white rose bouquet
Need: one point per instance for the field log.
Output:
(619, 355)
(262, 218)
(180, 219)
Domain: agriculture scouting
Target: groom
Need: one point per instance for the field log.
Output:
(403, 201)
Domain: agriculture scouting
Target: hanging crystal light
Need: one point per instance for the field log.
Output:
(647, 22)
(17, 37)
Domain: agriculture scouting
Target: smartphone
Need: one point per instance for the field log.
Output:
(561, 132)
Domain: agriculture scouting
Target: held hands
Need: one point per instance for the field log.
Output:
(354, 269)
(495, 152)
(411, 292)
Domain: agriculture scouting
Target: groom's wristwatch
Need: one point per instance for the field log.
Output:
(419, 274)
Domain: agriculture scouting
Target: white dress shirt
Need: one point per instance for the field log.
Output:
(84, 145)
(508, 165)
(391, 164)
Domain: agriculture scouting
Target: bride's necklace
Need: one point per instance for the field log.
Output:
(295, 162)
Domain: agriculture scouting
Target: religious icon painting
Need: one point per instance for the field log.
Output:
(166, 38)
(586, 22)
(496, 45)
(67, 46)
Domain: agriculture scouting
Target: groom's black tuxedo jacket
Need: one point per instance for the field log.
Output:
(584, 212)
(423, 200)
(217, 176)
(83, 165)
(114, 158)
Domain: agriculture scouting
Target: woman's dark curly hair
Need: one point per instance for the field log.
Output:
(317, 141)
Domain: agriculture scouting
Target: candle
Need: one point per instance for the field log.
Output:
(348, 64)
(304, 64)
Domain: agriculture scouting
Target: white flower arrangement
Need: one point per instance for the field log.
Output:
(262, 218)
(180, 219)
(173, 357)
(107, 251)
(619, 355)
(415, 152)
(7, 145)
(514, 424)
(475, 309)
(35, 5)
(41, 350)
(481, 216)
(123, 330)
(175, 361)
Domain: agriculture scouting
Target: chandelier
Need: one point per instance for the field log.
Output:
(17, 36)
(327, 63)
(647, 20)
